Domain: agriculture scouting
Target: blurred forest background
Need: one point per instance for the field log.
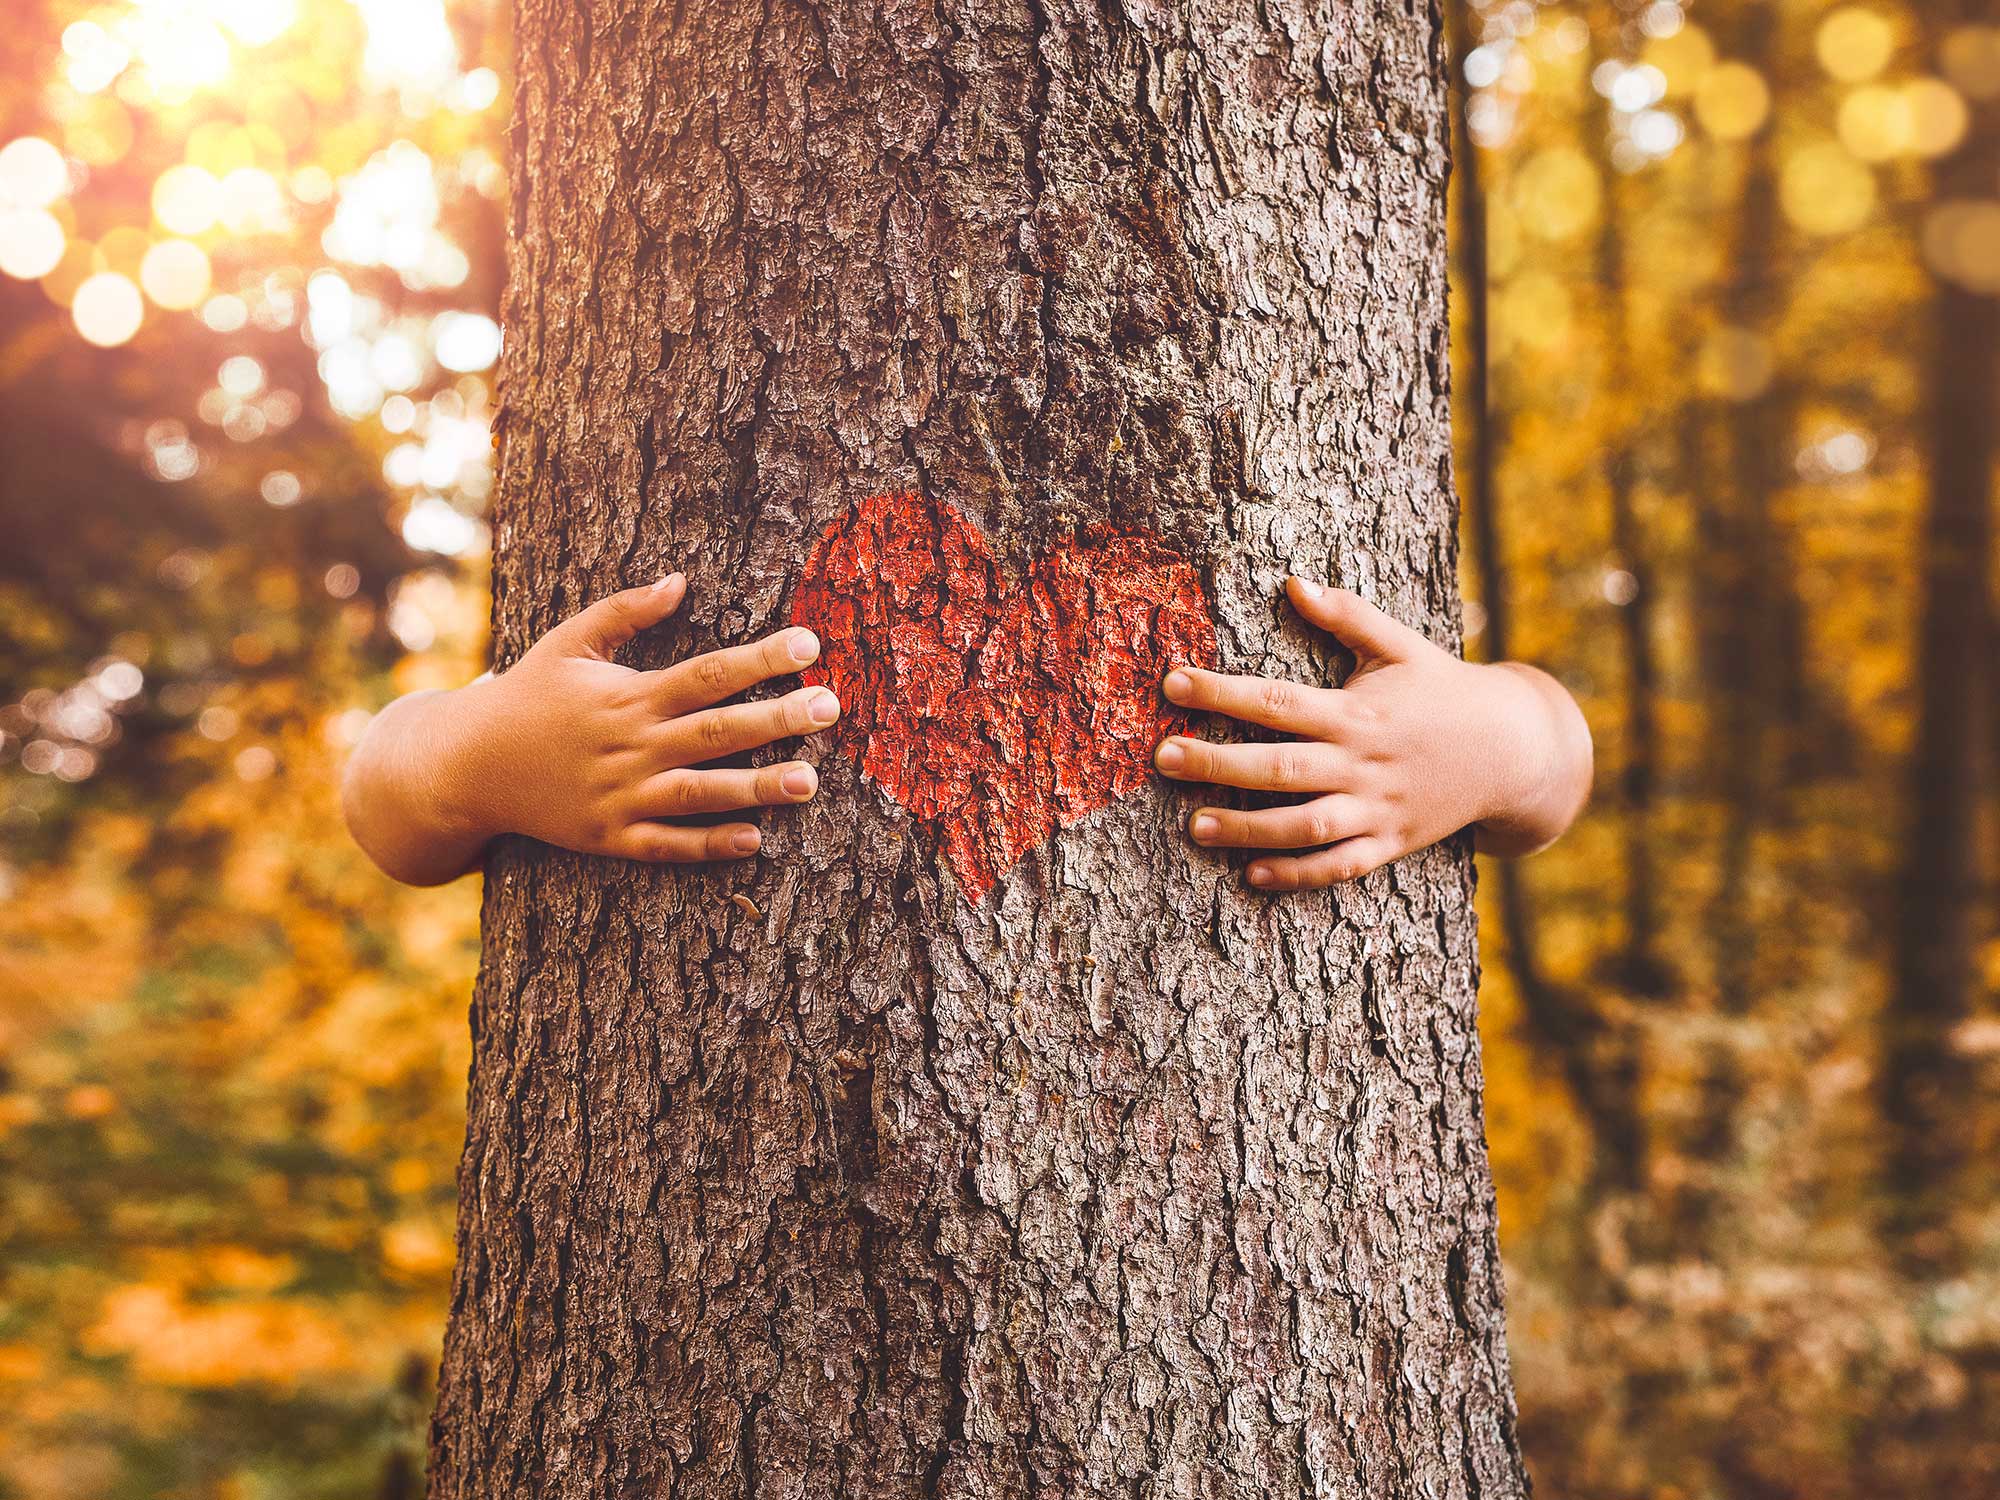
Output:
(1727, 309)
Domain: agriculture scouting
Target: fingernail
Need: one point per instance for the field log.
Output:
(747, 841)
(1170, 756)
(1260, 874)
(1205, 826)
(824, 708)
(804, 645)
(662, 583)
(1178, 685)
(1307, 587)
(797, 782)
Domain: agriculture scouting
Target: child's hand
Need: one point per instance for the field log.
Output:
(1415, 746)
(573, 749)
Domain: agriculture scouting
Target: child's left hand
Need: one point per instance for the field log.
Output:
(1416, 745)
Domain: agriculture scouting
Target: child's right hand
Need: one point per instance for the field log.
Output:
(573, 749)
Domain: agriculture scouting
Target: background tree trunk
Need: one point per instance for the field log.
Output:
(1944, 890)
(1560, 1020)
(835, 1174)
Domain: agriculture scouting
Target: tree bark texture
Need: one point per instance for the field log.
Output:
(982, 1138)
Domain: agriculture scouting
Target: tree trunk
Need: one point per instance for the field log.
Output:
(1751, 636)
(1943, 892)
(981, 1138)
(1640, 966)
(1746, 608)
(1557, 1018)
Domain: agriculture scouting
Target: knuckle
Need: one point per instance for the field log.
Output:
(1277, 697)
(711, 672)
(1288, 769)
(1317, 827)
(677, 791)
(714, 735)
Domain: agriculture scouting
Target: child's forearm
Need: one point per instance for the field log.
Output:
(1553, 781)
(405, 803)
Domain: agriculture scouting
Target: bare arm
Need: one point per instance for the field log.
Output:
(403, 795)
(571, 748)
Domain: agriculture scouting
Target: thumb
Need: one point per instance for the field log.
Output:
(601, 628)
(1353, 621)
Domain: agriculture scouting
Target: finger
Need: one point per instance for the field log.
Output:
(1350, 859)
(1270, 701)
(709, 678)
(1324, 820)
(684, 793)
(715, 732)
(679, 844)
(1293, 767)
(603, 627)
(1354, 622)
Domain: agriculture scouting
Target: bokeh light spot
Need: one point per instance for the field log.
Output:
(465, 341)
(1876, 123)
(1825, 191)
(31, 243)
(240, 375)
(175, 274)
(281, 488)
(225, 312)
(107, 309)
(33, 173)
(1939, 118)
(187, 199)
(1962, 244)
(1558, 193)
(1855, 43)
(1732, 102)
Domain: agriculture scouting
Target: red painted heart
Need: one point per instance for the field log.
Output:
(997, 709)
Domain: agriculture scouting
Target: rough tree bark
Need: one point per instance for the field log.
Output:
(1023, 346)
